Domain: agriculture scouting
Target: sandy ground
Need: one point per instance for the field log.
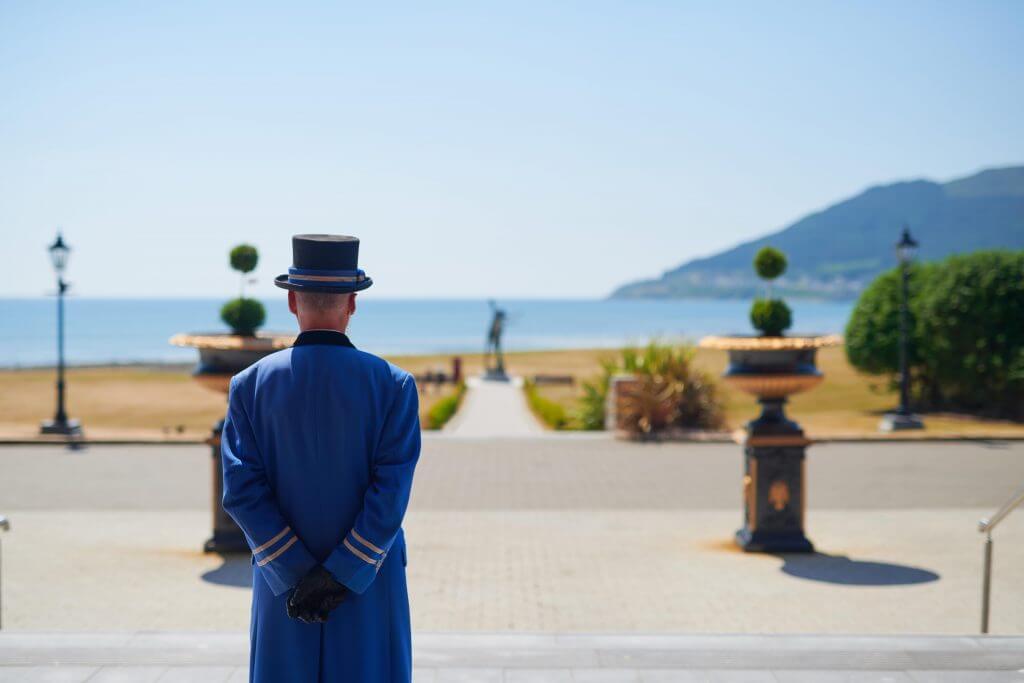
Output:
(552, 534)
(164, 403)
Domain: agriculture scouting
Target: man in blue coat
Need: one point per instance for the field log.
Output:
(319, 447)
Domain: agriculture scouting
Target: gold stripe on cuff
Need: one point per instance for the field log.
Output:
(355, 535)
(359, 553)
(272, 541)
(273, 556)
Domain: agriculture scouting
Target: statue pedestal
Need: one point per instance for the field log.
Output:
(495, 375)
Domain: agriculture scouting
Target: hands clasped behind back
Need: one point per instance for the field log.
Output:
(316, 595)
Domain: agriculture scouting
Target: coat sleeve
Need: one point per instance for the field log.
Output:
(357, 560)
(248, 498)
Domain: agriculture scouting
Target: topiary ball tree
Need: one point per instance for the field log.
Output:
(244, 316)
(244, 258)
(771, 317)
(769, 263)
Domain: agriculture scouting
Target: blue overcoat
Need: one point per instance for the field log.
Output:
(318, 449)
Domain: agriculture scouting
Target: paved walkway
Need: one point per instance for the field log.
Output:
(494, 409)
(551, 534)
(443, 658)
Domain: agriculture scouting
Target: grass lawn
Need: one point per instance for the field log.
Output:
(152, 401)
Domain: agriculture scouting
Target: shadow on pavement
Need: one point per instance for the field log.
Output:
(839, 569)
(236, 571)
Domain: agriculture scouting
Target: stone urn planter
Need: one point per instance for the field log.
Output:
(774, 495)
(221, 357)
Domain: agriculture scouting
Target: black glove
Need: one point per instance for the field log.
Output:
(316, 595)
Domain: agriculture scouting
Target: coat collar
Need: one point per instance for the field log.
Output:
(328, 337)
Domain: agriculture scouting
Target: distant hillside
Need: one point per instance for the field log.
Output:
(836, 252)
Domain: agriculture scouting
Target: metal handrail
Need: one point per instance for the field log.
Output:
(4, 526)
(986, 525)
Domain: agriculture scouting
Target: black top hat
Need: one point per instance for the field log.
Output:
(324, 263)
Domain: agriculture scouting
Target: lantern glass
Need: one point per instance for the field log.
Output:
(59, 254)
(906, 247)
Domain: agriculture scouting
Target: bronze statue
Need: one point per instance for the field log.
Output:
(495, 370)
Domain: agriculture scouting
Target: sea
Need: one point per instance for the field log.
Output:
(127, 331)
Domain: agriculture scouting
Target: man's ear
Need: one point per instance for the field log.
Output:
(293, 305)
(352, 304)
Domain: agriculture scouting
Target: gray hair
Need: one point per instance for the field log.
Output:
(323, 302)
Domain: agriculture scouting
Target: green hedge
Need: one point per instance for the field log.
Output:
(966, 332)
(550, 413)
(443, 410)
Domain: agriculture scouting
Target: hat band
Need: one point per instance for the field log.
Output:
(300, 275)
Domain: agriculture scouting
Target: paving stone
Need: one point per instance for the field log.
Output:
(538, 676)
(966, 676)
(811, 676)
(197, 674)
(605, 676)
(467, 657)
(478, 675)
(128, 674)
(239, 675)
(670, 676)
(45, 674)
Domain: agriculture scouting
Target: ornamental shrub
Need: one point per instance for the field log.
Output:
(671, 392)
(591, 412)
(444, 409)
(966, 324)
(244, 258)
(771, 316)
(243, 316)
(873, 331)
(971, 332)
(550, 413)
(769, 263)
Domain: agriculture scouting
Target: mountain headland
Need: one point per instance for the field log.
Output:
(836, 252)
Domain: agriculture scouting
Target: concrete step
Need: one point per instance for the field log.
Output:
(218, 656)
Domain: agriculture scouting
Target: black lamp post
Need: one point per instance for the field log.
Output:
(903, 418)
(60, 424)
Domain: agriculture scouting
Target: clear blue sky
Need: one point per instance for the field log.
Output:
(524, 149)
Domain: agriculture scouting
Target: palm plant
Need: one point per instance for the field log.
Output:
(669, 392)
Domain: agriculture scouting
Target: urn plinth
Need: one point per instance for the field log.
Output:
(774, 446)
(221, 357)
